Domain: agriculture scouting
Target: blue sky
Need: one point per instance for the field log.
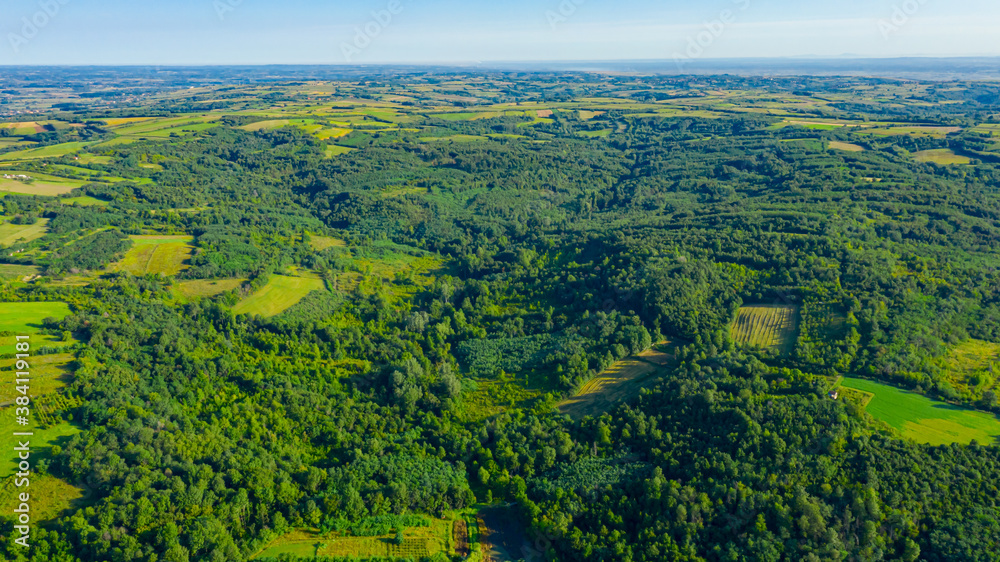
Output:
(327, 31)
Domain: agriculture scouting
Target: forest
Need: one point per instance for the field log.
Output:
(464, 267)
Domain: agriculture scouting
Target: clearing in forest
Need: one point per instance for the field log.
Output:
(942, 156)
(281, 293)
(321, 243)
(41, 184)
(12, 233)
(924, 420)
(190, 290)
(25, 318)
(156, 255)
(767, 327)
(418, 543)
(846, 146)
(618, 383)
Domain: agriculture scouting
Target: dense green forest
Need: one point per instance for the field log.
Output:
(468, 274)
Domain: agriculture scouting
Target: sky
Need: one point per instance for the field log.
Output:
(213, 32)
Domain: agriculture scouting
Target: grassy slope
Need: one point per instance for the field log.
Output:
(924, 420)
(280, 294)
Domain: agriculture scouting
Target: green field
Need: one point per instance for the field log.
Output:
(280, 294)
(84, 201)
(767, 327)
(156, 255)
(12, 233)
(942, 156)
(924, 420)
(9, 271)
(26, 317)
(43, 184)
(336, 150)
(45, 151)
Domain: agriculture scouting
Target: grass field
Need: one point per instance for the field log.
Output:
(335, 150)
(26, 317)
(47, 185)
(84, 201)
(942, 156)
(767, 326)
(156, 255)
(618, 383)
(846, 146)
(9, 271)
(280, 294)
(924, 420)
(50, 496)
(324, 242)
(12, 233)
(45, 151)
(190, 290)
(41, 442)
(418, 543)
(49, 373)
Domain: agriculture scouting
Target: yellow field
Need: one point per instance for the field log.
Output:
(207, 288)
(846, 146)
(324, 242)
(942, 156)
(418, 543)
(766, 327)
(156, 255)
(12, 233)
(280, 294)
(50, 496)
(618, 383)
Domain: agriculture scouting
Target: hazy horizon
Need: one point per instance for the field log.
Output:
(310, 32)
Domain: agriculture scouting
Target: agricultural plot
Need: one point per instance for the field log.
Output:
(11, 234)
(281, 293)
(325, 242)
(191, 290)
(156, 255)
(8, 271)
(49, 374)
(767, 327)
(84, 201)
(846, 146)
(42, 184)
(336, 150)
(618, 383)
(942, 156)
(418, 543)
(26, 318)
(924, 420)
(53, 151)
